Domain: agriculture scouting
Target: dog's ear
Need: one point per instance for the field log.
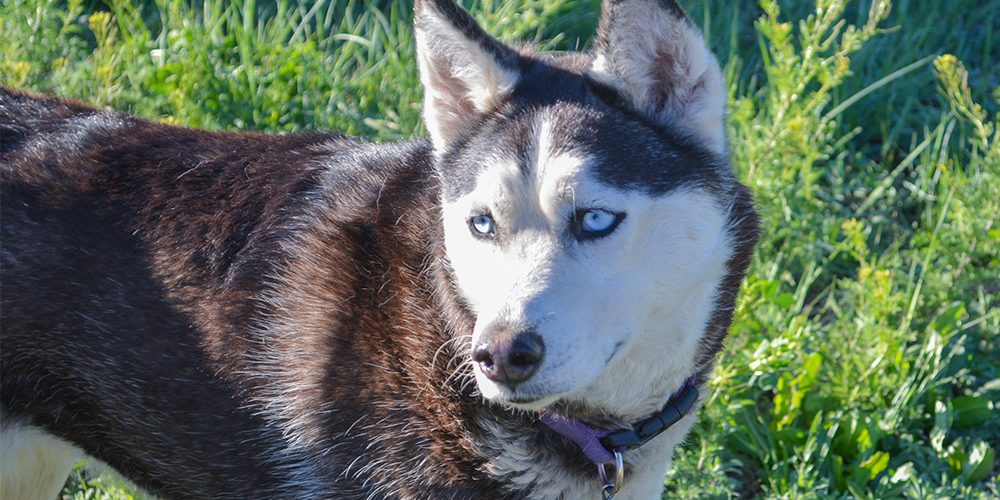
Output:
(464, 71)
(655, 55)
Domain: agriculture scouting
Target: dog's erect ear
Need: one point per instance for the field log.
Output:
(464, 71)
(657, 57)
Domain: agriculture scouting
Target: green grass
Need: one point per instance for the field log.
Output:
(864, 360)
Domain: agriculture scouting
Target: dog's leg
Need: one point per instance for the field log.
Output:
(33, 463)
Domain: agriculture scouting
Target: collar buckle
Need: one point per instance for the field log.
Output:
(641, 433)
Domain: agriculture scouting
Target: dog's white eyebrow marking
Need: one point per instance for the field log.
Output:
(558, 169)
(537, 191)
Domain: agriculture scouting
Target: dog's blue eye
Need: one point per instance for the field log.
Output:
(595, 223)
(482, 225)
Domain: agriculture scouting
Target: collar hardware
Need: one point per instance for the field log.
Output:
(641, 433)
(611, 485)
(605, 447)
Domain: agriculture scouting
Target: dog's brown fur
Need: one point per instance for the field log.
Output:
(154, 241)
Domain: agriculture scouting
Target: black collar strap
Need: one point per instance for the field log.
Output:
(641, 433)
(601, 446)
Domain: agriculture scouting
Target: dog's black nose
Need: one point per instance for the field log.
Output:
(510, 359)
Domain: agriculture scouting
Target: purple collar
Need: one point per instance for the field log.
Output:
(599, 445)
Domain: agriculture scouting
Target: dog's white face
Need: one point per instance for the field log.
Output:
(618, 284)
(585, 203)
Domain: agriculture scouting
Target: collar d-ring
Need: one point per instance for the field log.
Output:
(610, 486)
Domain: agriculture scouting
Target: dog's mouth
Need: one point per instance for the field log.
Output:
(527, 397)
(529, 402)
(614, 352)
(562, 404)
(549, 399)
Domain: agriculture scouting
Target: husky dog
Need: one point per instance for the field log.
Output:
(522, 307)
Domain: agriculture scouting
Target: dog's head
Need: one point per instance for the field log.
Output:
(586, 201)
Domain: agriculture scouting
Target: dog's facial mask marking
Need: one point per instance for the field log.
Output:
(604, 276)
(616, 279)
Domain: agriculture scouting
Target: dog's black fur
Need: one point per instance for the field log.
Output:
(132, 256)
(223, 315)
